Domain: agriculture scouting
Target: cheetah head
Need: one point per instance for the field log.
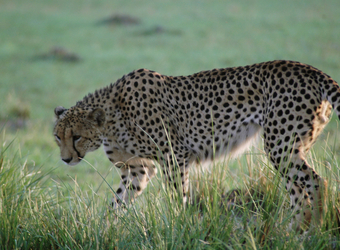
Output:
(78, 131)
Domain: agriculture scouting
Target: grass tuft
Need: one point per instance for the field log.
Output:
(36, 213)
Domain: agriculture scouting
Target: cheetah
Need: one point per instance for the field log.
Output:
(146, 117)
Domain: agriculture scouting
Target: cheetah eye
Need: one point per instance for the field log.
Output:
(76, 137)
(57, 137)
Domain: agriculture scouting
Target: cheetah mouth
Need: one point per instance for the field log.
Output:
(79, 159)
(73, 163)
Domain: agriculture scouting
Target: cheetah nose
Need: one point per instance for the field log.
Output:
(68, 160)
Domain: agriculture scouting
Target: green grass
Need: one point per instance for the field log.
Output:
(65, 206)
(36, 213)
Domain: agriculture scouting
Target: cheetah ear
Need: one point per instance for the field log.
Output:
(58, 111)
(97, 116)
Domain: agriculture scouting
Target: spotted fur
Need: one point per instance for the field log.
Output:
(145, 115)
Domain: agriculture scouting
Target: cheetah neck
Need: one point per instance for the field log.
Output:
(105, 99)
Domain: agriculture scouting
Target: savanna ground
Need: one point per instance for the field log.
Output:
(55, 52)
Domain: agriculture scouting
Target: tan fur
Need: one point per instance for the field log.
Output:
(176, 121)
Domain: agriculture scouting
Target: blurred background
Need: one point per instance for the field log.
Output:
(55, 52)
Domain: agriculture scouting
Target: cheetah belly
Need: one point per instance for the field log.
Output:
(232, 144)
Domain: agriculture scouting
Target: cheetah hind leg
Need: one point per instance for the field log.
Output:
(300, 205)
(306, 189)
(134, 179)
(307, 192)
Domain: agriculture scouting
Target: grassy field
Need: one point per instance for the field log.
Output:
(54, 52)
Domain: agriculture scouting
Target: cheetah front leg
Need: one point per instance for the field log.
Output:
(134, 179)
(176, 174)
